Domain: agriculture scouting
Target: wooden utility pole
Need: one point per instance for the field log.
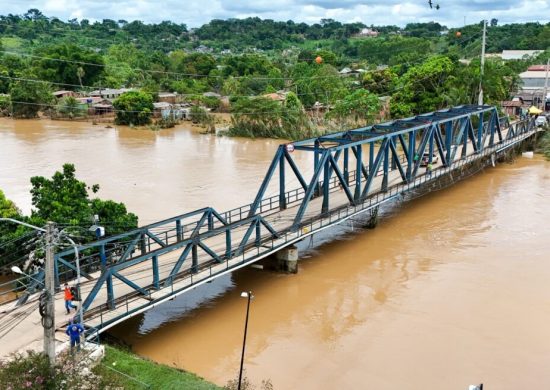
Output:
(48, 321)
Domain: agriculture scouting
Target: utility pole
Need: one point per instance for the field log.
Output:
(545, 86)
(480, 98)
(48, 321)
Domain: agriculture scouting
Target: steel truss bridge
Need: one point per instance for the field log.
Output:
(353, 172)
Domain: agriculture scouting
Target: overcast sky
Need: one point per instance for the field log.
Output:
(379, 12)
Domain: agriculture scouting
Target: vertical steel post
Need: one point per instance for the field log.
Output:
(155, 261)
(258, 233)
(210, 220)
(346, 166)
(394, 156)
(109, 281)
(49, 316)
(282, 191)
(448, 142)
(480, 134)
(412, 153)
(358, 172)
(371, 154)
(228, 243)
(326, 174)
(179, 230)
(316, 158)
(195, 258)
(386, 166)
(431, 146)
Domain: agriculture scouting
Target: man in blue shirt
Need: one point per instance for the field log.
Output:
(74, 331)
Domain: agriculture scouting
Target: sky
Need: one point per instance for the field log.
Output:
(194, 13)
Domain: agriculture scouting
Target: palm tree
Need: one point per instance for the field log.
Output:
(80, 74)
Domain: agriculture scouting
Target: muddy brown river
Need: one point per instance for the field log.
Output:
(449, 290)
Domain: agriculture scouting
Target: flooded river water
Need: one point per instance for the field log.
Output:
(449, 290)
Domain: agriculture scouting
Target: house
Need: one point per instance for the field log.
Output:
(367, 32)
(89, 100)
(62, 94)
(109, 93)
(167, 97)
(538, 68)
(531, 98)
(533, 80)
(519, 54)
(162, 109)
(351, 72)
(512, 107)
(102, 108)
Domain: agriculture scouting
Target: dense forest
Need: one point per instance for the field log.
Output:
(421, 67)
(323, 76)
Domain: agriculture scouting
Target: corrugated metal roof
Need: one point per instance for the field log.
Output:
(532, 74)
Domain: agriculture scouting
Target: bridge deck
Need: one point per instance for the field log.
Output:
(29, 332)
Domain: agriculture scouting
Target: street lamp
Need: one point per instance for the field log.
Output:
(77, 261)
(16, 270)
(248, 295)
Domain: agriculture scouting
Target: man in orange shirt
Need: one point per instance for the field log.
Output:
(68, 299)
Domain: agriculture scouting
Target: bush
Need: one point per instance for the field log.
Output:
(70, 107)
(133, 108)
(33, 371)
(5, 105)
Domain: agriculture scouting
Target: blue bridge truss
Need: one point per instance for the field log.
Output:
(352, 172)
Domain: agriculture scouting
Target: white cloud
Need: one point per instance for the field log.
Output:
(379, 12)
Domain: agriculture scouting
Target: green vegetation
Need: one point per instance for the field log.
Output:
(155, 375)
(118, 370)
(65, 200)
(245, 59)
(133, 108)
(264, 117)
(543, 145)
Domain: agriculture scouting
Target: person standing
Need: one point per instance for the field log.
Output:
(69, 299)
(74, 331)
(429, 168)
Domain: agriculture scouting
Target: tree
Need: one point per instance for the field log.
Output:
(69, 64)
(422, 87)
(28, 98)
(318, 83)
(380, 82)
(65, 199)
(70, 107)
(133, 108)
(10, 249)
(360, 106)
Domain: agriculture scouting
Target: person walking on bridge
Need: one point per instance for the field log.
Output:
(69, 299)
(74, 331)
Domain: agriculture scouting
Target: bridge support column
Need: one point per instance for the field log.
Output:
(373, 218)
(287, 259)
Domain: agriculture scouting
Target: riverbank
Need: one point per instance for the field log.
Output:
(119, 369)
(129, 371)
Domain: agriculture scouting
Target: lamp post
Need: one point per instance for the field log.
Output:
(77, 261)
(250, 297)
(16, 270)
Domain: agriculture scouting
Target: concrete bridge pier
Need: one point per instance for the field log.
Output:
(286, 259)
(373, 218)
